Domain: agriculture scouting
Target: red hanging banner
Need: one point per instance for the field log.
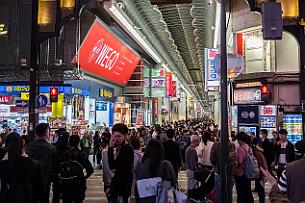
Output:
(169, 80)
(174, 89)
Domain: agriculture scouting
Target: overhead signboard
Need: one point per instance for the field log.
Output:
(211, 70)
(106, 56)
(158, 83)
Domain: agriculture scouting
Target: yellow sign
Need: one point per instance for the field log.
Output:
(25, 96)
(105, 93)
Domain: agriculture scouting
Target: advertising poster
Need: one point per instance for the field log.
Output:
(293, 124)
(106, 56)
(174, 89)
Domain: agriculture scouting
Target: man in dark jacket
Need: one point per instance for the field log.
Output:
(284, 152)
(121, 166)
(267, 146)
(172, 151)
(45, 153)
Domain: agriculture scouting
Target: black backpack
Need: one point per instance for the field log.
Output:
(71, 176)
(20, 192)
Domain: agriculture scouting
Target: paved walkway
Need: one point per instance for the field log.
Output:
(95, 192)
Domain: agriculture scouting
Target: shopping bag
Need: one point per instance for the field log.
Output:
(163, 192)
(180, 196)
(148, 187)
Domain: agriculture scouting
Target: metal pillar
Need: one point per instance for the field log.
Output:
(34, 70)
(224, 164)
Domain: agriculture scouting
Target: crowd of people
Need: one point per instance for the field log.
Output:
(143, 165)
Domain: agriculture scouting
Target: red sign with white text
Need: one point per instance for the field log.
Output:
(169, 80)
(4, 99)
(174, 89)
(156, 108)
(102, 54)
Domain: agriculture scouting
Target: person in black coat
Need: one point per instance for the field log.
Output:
(267, 146)
(284, 152)
(122, 165)
(172, 151)
(20, 177)
(45, 153)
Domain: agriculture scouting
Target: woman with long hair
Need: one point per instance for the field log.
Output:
(21, 178)
(153, 165)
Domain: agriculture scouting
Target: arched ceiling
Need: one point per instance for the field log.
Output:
(179, 33)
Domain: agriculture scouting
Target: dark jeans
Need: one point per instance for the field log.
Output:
(56, 190)
(117, 199)
(72, 196)
(260, 190)
(280, 169)
(243, 189)
(46, 195)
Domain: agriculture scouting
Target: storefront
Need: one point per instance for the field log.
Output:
(270, 102)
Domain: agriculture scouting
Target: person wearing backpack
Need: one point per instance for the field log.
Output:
(72, 178)
(20, 177)
(243, 184)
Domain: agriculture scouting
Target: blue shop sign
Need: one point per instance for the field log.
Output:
(107, 93)
(101, 106)
(43, 89)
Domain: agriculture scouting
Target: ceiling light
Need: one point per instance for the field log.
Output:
(115, 13)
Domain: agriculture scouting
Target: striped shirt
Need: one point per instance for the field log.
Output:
(282, 184)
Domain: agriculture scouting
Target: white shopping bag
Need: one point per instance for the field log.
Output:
(148, 187)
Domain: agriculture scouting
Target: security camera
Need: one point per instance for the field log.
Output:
(210, 2)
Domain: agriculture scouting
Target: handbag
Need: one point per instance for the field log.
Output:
(148, 187)
(164, 193)
(180, 196)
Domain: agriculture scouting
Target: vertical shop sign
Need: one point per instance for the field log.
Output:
(169, 80)
(156, 108)
(211, 70)
(174, 89)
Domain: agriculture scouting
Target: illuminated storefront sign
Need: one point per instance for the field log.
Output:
(169, 80)
(5, 99)
(156, 108)
(103, 55)
(211, 70)
(174, 89)
(247, 96)
(268, 111)
(107, 93)
(248, 84)
(158, 83)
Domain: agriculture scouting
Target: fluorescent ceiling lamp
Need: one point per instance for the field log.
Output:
(115, 13)
(217, 25)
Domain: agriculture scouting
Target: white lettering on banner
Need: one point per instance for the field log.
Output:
(107, 56)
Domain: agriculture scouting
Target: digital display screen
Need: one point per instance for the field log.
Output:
(293, 124)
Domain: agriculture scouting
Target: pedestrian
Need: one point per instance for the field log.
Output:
(21, 179)
(267, 148)
(216, 161)
(73, 159)
(106, 135)
(154, 165)
(97, 142)
(137, 158)
(62, 146)
(107, 173)
(204, 151)
(121, 166)
(243, 184)
(85, 143)
(172, 151)
(191, 159)
(45, 153)
(284, 153)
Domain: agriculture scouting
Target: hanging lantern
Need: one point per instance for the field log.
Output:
(290, 8)
(46, 12)
(67, 4)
